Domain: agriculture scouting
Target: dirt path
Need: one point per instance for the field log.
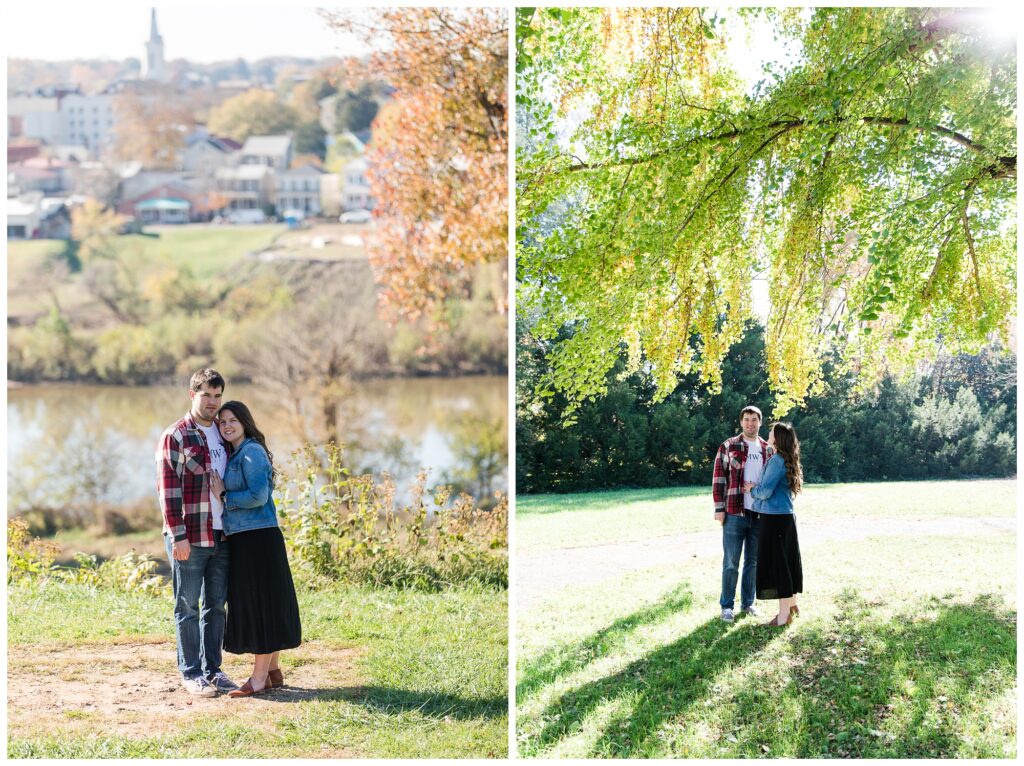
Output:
(132, 690)
(538, 574)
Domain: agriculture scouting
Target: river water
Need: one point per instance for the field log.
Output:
(107, 435)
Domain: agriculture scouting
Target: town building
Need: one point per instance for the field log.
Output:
(177, 198)
(246, 187)
(299, 189)
(88, 120)
(35, 115)
(156, 67)
(205, 154)
(355, 190)
(272, 151)
(33, 215)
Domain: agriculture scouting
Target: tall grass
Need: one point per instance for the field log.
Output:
(348, 528)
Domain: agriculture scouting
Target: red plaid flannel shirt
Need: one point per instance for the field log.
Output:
(727, 482)
(183, 462)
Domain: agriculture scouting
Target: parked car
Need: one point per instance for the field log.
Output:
(359, 215)
(130, 226)
(247, 215)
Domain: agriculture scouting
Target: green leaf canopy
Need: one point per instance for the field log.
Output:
(871, 182)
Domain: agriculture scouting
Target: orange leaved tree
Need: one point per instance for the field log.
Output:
(438, 156)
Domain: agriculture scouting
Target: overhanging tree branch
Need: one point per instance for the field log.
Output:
(1003, 167)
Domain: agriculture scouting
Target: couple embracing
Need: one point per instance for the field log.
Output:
(215, 481)
(754, 484)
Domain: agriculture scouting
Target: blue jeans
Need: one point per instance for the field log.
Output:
(739, 535)
(199, 631)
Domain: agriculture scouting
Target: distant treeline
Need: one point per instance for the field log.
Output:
(956, 420)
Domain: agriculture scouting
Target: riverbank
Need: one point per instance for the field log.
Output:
(142, 309)
(83, 449)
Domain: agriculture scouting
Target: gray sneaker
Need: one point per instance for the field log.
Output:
(727, 615)
(221, 682)
(751, 611)
(199, 687)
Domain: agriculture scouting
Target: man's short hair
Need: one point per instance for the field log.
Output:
(210, 377)
(751, 408)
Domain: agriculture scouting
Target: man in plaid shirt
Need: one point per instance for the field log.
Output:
(193, 535)
(740, 459)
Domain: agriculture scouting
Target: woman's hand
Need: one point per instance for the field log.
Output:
(216, 483)
(749, 485)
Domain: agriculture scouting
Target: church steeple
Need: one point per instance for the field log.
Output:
(155, 68)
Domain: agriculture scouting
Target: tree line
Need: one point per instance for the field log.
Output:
(955, 419)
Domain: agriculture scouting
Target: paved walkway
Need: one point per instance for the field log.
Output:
(538, 574)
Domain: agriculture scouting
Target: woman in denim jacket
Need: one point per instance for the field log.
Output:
(779, 571)
(263, 612)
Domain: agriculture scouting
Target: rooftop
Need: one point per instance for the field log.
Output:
(267, 145)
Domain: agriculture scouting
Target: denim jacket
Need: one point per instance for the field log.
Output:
(772, 494)
(249, 503)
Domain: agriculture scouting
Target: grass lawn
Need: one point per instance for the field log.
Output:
(549, 522)
(906, 646)
(428, 678)
(206, 250)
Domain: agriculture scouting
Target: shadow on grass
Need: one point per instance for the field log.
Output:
(536, 505)
(856, 686)
(656, 688)
(388, 700)
(909, 687)
(563, 660)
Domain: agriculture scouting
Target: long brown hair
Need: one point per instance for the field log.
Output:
(249, 429)
(788, 447)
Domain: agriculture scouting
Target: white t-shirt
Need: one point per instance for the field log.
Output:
(218, 463)
(753, 470)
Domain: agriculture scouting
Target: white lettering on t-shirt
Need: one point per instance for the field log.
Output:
(218, 463)
(753, 470)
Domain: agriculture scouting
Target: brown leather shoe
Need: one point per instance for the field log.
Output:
(275, 679)
(246, 690)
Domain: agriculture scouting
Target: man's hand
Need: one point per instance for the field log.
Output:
(720, 517)
(181, 550)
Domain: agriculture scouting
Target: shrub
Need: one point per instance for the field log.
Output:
(347, 527)
(28, 557)
(129, 572)
(48, 350)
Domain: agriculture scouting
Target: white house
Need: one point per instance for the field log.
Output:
(355, 186)
(299, 189)
(272, 151)
(23, 215)
(246, 187)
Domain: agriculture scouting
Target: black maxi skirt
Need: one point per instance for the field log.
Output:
(263, 612)
(779, 572)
